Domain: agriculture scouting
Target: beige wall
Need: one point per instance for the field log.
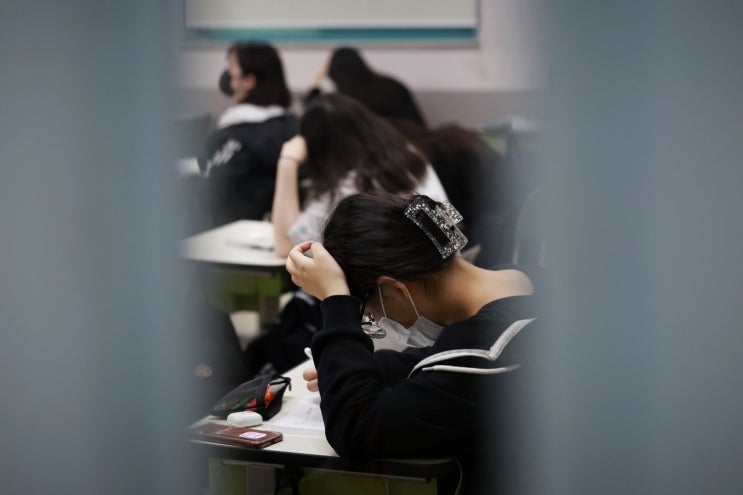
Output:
(472, 85)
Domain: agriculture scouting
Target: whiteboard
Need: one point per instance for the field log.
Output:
(331, 20)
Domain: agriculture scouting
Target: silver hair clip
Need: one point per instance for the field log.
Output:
(446, 218)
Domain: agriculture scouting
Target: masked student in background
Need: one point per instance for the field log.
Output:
(239, 170)
(394, 261)
(239, 162)
(346, 149)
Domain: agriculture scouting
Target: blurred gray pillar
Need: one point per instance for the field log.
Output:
(639, 383)
(89, 342)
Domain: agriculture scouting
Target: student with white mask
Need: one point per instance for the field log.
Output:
(390, 334)
(393, 263)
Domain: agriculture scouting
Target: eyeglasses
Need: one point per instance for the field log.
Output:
(369, 323)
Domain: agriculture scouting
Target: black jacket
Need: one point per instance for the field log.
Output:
(240, 161)
(375, 404)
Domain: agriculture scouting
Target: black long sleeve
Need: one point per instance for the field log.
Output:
(372, 409)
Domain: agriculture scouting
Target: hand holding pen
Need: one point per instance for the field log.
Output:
(310, 373)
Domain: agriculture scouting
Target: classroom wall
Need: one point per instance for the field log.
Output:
(474, 85)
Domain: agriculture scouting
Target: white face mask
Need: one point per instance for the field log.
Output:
(422, 333)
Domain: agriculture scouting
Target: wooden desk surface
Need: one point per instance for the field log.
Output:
(241, 244)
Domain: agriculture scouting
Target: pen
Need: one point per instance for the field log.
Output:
(248, 245)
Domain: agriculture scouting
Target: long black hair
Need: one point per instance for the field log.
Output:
(382, 94)
(370, 236)
(342, 135)
(347, 69)
(263, 61)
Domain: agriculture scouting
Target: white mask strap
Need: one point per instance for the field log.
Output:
(410, 298)
(417, 314)
(381, 301)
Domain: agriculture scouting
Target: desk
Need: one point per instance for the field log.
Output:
(299, 453)
(240, 262)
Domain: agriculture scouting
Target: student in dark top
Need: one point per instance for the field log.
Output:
(477, 183)
(395, 260)
(382, 94)
(239, 162)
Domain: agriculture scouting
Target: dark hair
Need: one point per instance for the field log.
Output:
(370, 236)
(472, 172)
(342, 135)
(263, 61)
(348, 69)
(382, 94)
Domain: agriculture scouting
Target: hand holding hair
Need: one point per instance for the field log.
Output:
(320, 275)
(322, 73)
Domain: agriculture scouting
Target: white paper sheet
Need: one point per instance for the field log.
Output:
(304, 419)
